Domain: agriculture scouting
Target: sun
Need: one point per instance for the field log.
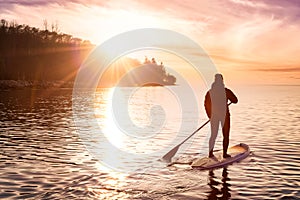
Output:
(119, 21)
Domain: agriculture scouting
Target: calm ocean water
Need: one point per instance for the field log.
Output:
(42, 155)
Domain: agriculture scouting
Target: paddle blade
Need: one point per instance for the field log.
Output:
(168, 157)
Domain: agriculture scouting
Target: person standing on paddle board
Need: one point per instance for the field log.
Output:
(217, 110)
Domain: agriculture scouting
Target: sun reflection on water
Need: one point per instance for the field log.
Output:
(104, 115)
(140, 116)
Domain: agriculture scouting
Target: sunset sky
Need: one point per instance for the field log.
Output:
(249, 41)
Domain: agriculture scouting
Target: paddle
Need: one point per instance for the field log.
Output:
(168, 156)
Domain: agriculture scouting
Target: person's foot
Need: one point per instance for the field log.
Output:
(226, 155)
(211, 155)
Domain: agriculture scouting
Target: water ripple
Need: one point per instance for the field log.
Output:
(41, 156)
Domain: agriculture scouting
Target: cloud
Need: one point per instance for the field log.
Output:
(47, 2)
(247, 3)
(24, 2)
(285, 3)
(278, 69)
(294, 77)
(9, 5)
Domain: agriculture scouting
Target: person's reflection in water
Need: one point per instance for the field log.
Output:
(215, 193)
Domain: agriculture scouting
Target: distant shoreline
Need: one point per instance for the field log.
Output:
(23, 84)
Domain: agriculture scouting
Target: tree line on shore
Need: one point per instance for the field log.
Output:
(28, 53)
(24, 39)
(30, 57)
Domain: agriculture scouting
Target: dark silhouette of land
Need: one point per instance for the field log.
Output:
(30, 57)
(148, 74)
(33, 56)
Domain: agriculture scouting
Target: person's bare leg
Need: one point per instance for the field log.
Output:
(226, 130)
(214, 126)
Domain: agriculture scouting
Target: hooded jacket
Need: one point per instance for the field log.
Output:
(208, 101)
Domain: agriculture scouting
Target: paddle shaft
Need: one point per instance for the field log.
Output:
(197, 130)
(194, 133)
(168, 156)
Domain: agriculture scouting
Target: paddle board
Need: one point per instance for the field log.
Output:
(237, 152)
